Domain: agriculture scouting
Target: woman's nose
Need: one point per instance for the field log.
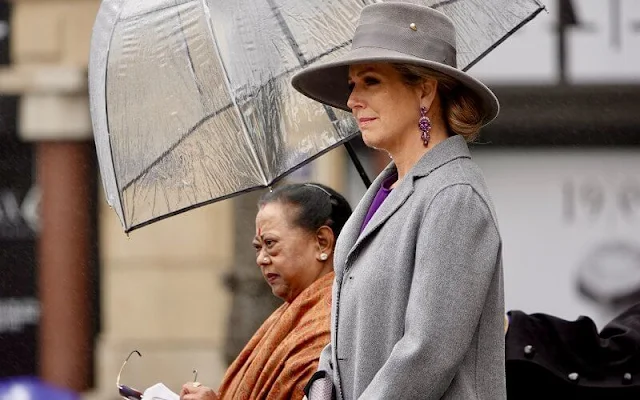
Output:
(354, 100)
(262, 258)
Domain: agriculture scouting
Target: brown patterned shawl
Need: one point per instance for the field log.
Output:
(280, 358)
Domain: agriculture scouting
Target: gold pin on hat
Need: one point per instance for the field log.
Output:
(413, 26)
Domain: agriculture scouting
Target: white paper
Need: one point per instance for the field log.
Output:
(159, 392)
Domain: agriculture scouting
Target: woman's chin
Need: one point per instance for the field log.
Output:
(371, 139)
(279, 291)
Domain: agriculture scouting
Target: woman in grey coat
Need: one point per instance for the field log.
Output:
(417, 310)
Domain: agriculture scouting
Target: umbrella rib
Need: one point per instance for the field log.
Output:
(188, 50)
(287, 33)
(234, 103)
(120, 206)
(247, 97)
(443, 3)
(176, 144)
(503, 38)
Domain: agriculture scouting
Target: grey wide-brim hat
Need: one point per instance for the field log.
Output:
(393, 32)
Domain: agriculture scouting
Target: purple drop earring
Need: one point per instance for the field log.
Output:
(425, 126)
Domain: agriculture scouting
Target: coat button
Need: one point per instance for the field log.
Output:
(529, 351)
(574, 377)
(626, 379)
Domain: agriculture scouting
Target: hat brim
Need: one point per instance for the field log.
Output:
(328, 82)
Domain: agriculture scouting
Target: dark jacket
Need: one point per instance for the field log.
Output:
(548, 357)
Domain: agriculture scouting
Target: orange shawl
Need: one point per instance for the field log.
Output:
(280, 358)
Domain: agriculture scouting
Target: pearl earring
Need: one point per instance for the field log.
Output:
(324, 256)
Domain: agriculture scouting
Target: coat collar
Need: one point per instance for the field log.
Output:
(446, 151)
(450, 149)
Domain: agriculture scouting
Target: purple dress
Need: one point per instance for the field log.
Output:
(382, 194)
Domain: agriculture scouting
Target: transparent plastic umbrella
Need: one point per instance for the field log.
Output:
(191, 101)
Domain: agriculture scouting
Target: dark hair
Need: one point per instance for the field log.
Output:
(317, 205)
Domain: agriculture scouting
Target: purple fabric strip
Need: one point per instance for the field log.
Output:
(382, 194)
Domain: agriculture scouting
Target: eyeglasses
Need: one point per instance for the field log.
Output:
(126, 392)
(129, 393)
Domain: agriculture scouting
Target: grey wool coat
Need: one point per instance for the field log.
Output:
(418, 304)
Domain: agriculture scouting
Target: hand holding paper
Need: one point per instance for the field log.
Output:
(195, 391)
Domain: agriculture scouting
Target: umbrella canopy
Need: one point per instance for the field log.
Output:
(191, 101)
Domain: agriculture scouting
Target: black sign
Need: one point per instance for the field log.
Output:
(19, 306)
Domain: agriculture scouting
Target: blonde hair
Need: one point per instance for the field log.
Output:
(462, 108)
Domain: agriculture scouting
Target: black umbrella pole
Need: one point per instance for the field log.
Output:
(358, 165)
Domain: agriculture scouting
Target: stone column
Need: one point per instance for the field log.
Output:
(331, 169)
(64, 175)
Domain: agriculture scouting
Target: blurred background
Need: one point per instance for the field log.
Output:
(77, 295)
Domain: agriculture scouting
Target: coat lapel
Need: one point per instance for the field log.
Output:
(392, 203)
(351, 229)
(350, 237)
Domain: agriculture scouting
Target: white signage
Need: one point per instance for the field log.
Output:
(16, 313)
(19, 218)
(527, 56)
(570, 222)
(604, 47)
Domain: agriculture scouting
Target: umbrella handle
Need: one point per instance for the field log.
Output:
(358, 165)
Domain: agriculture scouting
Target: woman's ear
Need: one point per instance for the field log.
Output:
(429, 90)
(326, 240)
